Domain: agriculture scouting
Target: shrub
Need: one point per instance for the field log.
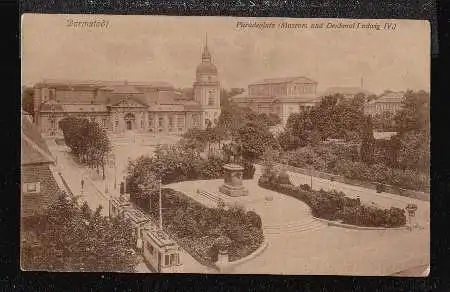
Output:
(201, 230)
(380, 188)
(254, 219)
(336, 206)
(305, 187)
(283, 178)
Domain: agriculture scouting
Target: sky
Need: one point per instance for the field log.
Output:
(166, 48)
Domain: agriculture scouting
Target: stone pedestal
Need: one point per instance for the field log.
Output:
(223, 263)
(233, 181)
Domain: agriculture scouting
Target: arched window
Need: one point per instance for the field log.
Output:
(208, 123)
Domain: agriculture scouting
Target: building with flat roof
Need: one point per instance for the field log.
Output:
(280, 96)
(388, 103)
(347, 92)
(138, 106)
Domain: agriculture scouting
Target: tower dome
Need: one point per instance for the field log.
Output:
(206, 66)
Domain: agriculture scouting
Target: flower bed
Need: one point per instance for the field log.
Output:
(198, 229)
(336, 206)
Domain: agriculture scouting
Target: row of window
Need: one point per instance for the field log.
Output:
(281, 90)
(169, 259)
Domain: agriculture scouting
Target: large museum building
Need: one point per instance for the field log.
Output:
(138, 106)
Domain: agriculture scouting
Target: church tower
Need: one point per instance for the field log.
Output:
(207, 89)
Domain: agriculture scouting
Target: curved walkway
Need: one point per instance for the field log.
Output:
(300, 244)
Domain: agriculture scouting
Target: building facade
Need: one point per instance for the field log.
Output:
(41, 184)
(388, 104)
(138, 106)
(346, 92)
(280, 96)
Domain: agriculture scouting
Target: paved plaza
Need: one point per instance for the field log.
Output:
(298, 243)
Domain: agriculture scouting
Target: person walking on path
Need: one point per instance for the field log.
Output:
(82, 185)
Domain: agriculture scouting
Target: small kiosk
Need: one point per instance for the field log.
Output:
(161, 253)
(138, 219)
(117, 206)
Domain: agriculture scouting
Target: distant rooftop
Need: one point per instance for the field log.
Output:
(102, 83)
(160, 237)
(136, 215)
(281, 80)
(33, 147)
(389, 97)
(345, 90)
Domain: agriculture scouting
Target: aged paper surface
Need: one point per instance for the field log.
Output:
(157, 144)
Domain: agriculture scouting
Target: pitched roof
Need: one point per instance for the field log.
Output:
(117, 99)
(125, 89)
(389, 97)
(99, 83)
(83, 108)
(34, 149)
(301, 79)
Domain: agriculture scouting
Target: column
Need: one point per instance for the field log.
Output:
(166, 123)
(145, 113)
(121, 122)
(156, 123)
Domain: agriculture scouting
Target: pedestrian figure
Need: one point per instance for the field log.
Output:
(82, 185)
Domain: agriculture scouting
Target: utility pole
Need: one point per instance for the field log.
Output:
(115, 173)
(160, 206)
(106, 182)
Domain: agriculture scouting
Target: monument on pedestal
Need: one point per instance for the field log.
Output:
(233, 181)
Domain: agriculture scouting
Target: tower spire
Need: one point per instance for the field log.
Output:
(206, 56)
(362, 83)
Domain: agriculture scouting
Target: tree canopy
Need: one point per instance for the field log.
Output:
(70, 237)
(27, 100)
(87, 140)
(334, 117)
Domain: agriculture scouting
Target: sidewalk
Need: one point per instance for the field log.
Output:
(73, 174)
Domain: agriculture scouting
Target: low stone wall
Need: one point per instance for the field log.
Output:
(348, 226)
(365, 184)
(228, 267)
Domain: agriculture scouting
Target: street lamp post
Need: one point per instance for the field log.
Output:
(115, 174)
(106, 185)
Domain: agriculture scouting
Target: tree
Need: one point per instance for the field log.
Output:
(415, 114)
(274, 119)
(254, 140)
(368, 142)
(27, 100)
(414, 152)
(413, 126)
(87, 140)
(297, 132)
(73, 238)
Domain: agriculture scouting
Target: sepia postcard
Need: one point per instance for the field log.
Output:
(164, 144)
